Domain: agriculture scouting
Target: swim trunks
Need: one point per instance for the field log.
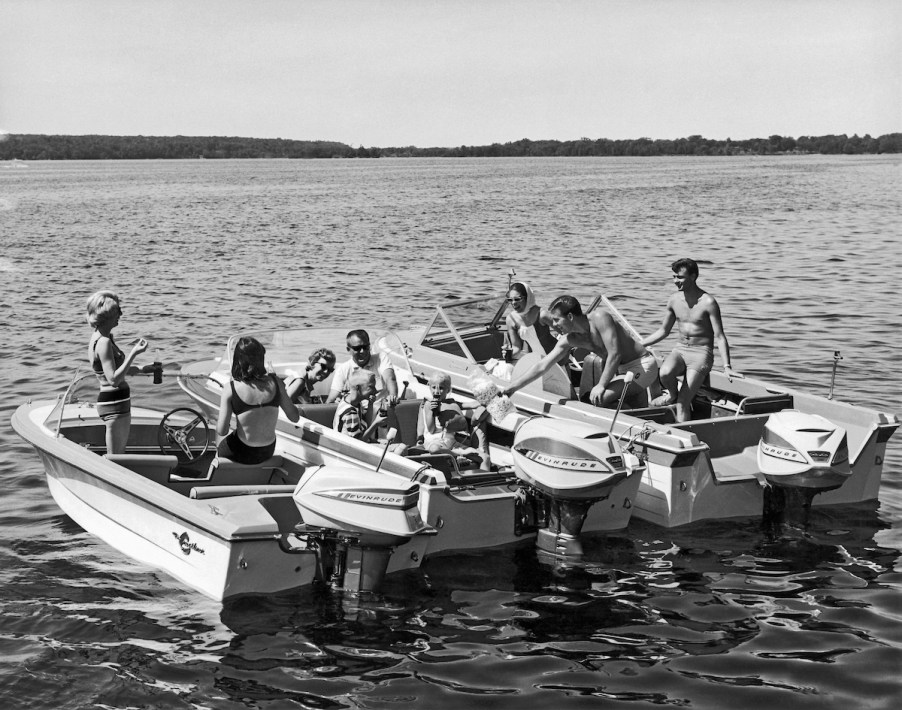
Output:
(240, 452)
(695, 357)
(645, 369)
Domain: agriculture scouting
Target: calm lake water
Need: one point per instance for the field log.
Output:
(803, 254)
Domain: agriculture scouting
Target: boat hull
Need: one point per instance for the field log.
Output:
(476, 511)
(698, 470)
(224, 547)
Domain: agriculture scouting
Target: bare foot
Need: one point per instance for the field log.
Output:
(663, 400)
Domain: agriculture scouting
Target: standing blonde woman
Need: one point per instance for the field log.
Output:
(111, 365)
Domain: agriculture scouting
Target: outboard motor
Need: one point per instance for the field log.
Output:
(799, 455)
(353, 519)
(564, 467)
(802, 450)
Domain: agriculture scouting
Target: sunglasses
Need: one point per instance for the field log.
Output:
(324, 369)
(359, 348)
(461, 435)
(514, 300)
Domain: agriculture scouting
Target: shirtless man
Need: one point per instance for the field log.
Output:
(598, 333)
(700, 326)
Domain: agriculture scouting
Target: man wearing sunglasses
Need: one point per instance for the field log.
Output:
(362, 358)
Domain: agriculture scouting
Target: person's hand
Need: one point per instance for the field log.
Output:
(731, 373)
(140, 346)
(596, 394)
(504, 392)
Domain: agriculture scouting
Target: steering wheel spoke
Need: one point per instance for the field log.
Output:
(189, 440)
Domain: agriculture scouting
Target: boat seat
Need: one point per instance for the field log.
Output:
(406, 411)
(443, 463)
(204, 492)
(225, 472)
(320, 413)
(154, 467)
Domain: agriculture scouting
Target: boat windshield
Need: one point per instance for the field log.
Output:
(286, 348)
(458, 318)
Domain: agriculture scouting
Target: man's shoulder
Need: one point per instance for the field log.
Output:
(601, 317)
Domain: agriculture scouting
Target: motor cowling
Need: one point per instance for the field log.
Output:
(803, 450)
(567, 459)
(354, 518)
(565, 467)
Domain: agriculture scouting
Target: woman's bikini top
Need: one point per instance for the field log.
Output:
(239, 406)
(97, 366)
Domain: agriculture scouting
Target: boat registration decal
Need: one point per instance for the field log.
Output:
(564, 462)
(186, 545)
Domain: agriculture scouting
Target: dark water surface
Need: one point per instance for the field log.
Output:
(803, 255)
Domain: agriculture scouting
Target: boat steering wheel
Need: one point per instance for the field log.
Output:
(182, 439)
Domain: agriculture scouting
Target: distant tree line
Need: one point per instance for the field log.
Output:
(40, 147)
(43, 147)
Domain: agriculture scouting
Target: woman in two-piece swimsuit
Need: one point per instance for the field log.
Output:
(254, 396)
(111, 365)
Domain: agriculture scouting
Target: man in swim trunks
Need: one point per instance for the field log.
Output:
(599, 333)
(698, 317)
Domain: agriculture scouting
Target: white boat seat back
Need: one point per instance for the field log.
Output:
(154, 467)
(225, 472)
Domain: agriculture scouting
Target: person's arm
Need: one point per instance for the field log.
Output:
(540, 368)
(513, 336)
(285, 402)
(339, 383)
(116, 376)
(391, 385)
(664, 330)
(367, 435)
(297, 389)
(612, 359)
(225, 413)
(720, 338)
(430, 412)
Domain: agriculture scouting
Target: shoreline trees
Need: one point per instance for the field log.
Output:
(96, 147)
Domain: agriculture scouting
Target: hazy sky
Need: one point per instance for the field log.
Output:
(445, 73)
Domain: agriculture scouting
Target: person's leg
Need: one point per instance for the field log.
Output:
(482, 444)
(694, 380)
(117, 433)
(670, 373)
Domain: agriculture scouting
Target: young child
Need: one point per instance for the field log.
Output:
(445, 429)
(356, 407)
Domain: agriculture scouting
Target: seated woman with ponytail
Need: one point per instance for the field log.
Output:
(254, 396)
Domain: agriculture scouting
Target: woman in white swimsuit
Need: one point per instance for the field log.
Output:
(527, 322)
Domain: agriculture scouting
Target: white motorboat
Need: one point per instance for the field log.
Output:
(745, 437)
(222, 528)
(470, 509)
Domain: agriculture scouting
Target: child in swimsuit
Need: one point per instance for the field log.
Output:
(255, 397)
